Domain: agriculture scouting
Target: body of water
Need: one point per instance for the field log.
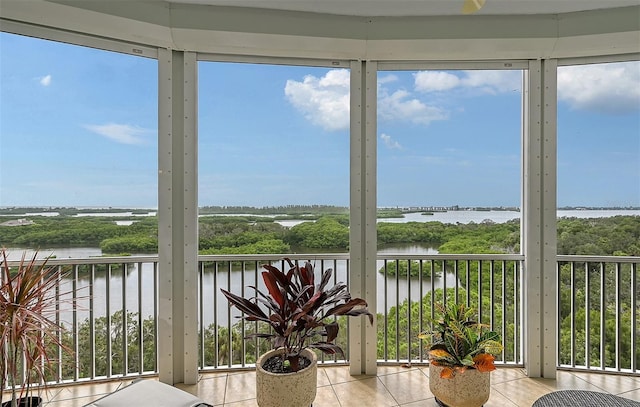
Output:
(455, 217)
(137, 293)
(501, 216)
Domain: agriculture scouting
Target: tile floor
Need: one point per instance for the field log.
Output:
(393, 386)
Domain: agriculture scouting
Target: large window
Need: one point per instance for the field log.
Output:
(599, 198)
(273, 154)
(78, 178)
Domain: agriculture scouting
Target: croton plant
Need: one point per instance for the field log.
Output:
(458, 342)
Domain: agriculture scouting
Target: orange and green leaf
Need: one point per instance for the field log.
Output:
(439, 354)
(484, 362)
(447, 373)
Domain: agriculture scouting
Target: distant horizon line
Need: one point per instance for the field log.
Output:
(399, 207)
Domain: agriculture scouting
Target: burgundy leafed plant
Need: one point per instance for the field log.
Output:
(299, 311)
(27, 325)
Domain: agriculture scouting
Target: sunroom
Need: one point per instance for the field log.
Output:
(353, 61)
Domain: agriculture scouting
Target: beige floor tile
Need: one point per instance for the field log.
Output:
(497, 399)
(505, 374)
(77, 402)
(323, 379)
(189, 388)
(341, 375)
(368, 392)
(408, 386)
(385, 370)
(241, 386)
(210, 375)
(610, 383)
(89, 389)
(567, 381)
(631, 395)
(421, 403)
(209, 389)
(522, 392)
(243, 403)
(326, 397)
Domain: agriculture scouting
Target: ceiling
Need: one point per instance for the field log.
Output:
(392, 8)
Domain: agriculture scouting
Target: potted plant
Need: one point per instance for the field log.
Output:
(301, 317)
(461, 357)
(28, 330)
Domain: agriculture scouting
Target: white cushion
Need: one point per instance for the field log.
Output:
(151, 393)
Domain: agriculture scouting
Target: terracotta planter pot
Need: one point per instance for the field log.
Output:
(286, 389)
(468, 389)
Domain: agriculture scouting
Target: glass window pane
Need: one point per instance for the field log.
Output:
(598, 158)
(79, 126)
(449, 147)
(599, 135)
(273, 135)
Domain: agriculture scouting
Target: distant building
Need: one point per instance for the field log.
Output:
(17, 222)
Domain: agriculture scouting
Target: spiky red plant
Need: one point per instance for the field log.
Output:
(299, 311)
(28, 328)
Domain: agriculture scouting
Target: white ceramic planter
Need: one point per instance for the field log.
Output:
(286, 389)
(468, 389)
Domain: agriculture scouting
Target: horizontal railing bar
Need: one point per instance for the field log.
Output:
(329, 256)
(481, 257)
(597, 259)
(91, 260)
(273, 257)
(313, 256)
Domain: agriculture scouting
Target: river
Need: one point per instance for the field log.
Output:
(141, 286)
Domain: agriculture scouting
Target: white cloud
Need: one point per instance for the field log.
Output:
(389, 142)
(45, 80)
(120, 133)
(400, 105)
(433, 81)
(607, 88)
(323, 101)
(491, 82)
(382, 79)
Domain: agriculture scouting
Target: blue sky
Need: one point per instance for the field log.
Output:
(78, 127)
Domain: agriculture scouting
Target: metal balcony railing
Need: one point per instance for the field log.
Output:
(598, 309)
(111, 326)
(491, 284)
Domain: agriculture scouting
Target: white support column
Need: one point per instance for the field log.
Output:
(539, 219)
(549, 217)
(177, 218)
(362, 220)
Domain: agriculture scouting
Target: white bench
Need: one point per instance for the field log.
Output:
(149, 393)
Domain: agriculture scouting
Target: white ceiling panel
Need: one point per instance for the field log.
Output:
(377, 8)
